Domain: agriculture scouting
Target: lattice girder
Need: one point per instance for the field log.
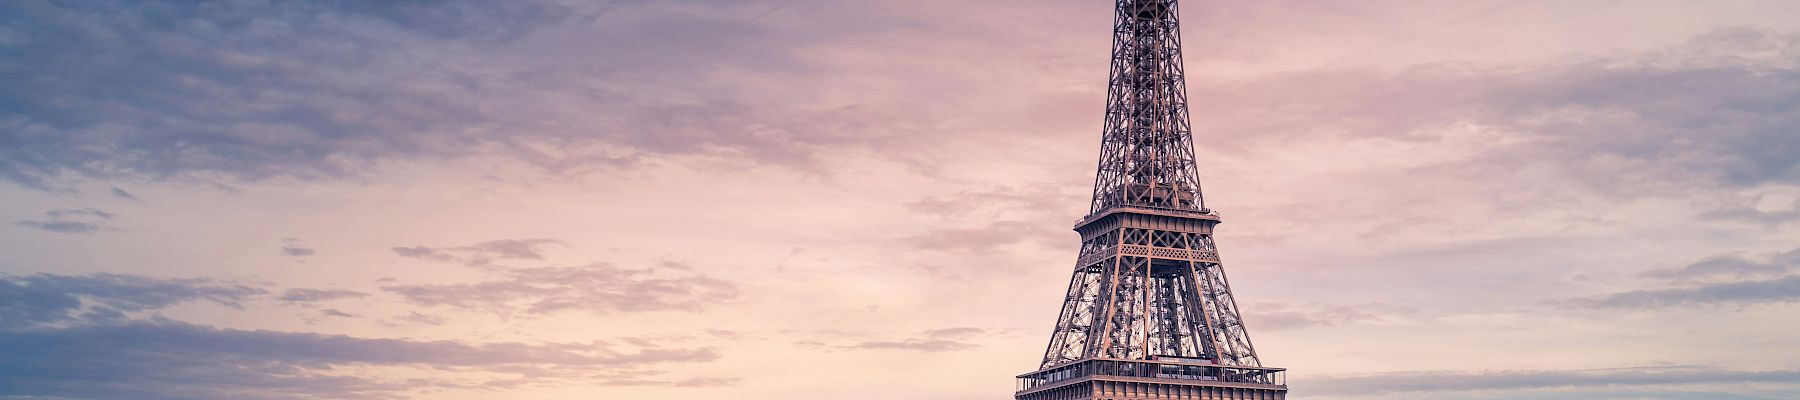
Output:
(1146, 149)
(1148, 312)
(1149, 284)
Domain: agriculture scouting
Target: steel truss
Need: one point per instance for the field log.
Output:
(1146, 151)
(1148, 281)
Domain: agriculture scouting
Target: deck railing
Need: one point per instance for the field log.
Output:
(1200, 371)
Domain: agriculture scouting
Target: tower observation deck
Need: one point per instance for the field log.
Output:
(1149, 313)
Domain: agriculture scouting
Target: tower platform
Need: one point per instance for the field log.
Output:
(1148, 313)
(1159, 378)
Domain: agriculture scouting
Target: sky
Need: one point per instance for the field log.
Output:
(873, 199)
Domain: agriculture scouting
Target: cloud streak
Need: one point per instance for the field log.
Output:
(598, 288)
(82, 220)
(1455, 382)
(1721, 280)
(292, 247)
(1732, 266)
(121, 193)
(1282, 316)
(481, 254)
(171, 360)
(47, 299)
(69, 336)
(1773, 291)
(930, 341)
(245, 92)
(168, 89)
(302, 295)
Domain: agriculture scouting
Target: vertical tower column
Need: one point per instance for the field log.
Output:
(1148, 313)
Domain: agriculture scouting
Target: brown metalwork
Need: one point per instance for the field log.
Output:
(1148, 288)
(1147, 151)
(1158, 378)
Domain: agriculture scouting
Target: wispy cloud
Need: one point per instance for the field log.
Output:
(47, 299)
(1781, 290)
(1732, 266)
(61, 226)
(333, 111)
(69, 336)
(994, 235)
(177, 360)
(121, 193)
(930, 341)
(483, 253)
(292, 247)
(81, 220)
(421, 318)
(1283, 316)
(1478, 381)
(165, 91)
(302, 295)
(1721, 280)
(598, 288)
(1033, 199)
(924, 345)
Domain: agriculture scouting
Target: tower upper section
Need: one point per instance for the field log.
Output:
(1147, 149)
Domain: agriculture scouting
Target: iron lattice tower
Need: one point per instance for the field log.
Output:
(1148, 296)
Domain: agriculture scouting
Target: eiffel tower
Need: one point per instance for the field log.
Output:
(1149, 314)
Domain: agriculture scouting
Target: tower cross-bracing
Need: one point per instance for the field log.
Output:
(1148, 313)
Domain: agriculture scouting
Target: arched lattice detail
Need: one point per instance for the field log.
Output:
(1148, 281)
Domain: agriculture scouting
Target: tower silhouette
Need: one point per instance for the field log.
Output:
(1149, 313)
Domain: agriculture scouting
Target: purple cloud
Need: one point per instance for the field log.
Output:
(82, 220)
(302, 295)
(67, 336)
(597, 288)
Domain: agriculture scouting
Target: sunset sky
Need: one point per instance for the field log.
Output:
(873, 199)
